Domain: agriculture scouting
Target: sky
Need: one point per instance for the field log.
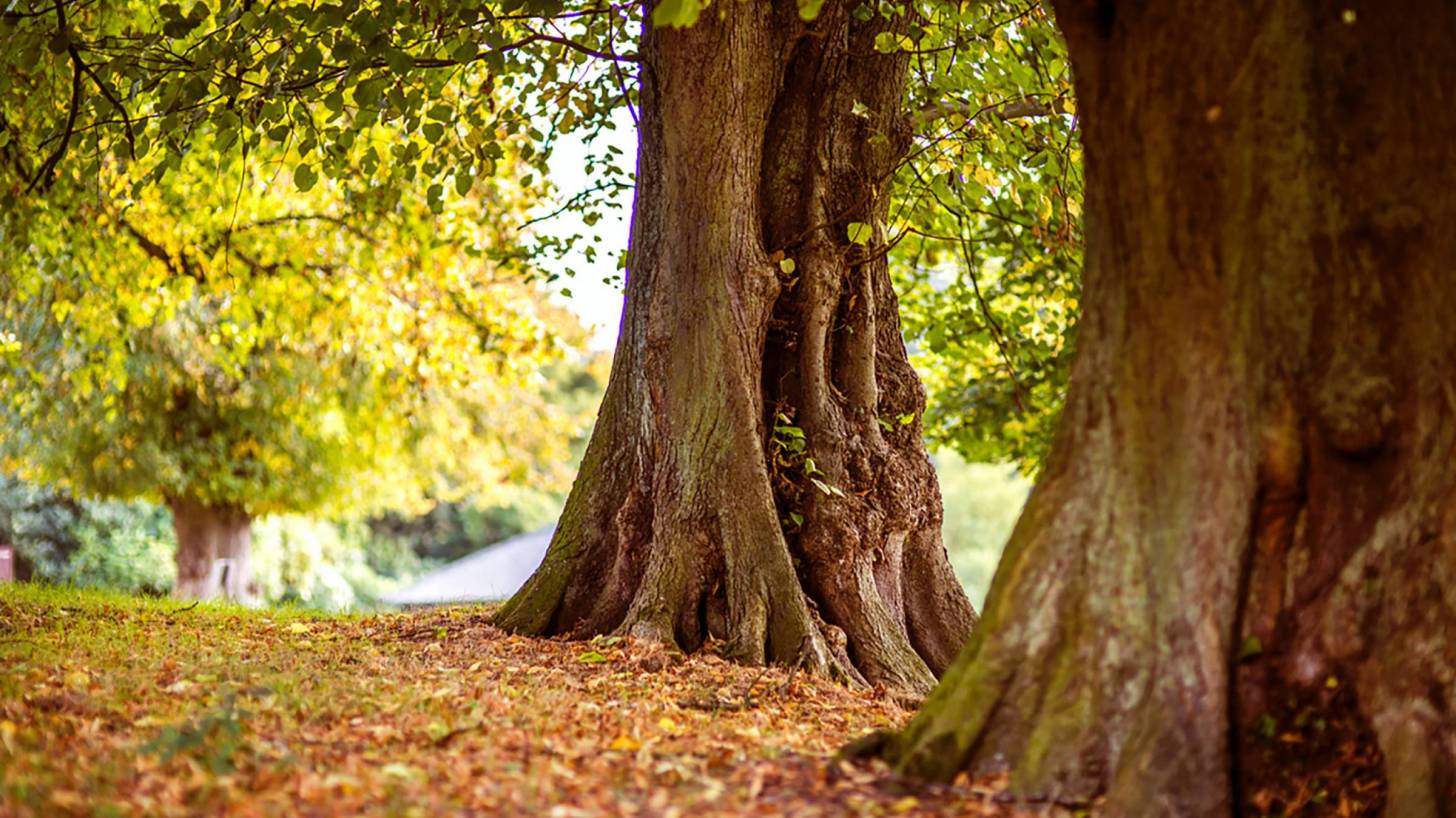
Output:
(596, 295)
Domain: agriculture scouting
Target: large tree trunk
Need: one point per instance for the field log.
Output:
(213, 546)
(694, 515)
(1258, 454)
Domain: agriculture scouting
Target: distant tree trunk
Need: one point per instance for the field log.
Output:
(1251, 501)
(761, 140)
(205, 535)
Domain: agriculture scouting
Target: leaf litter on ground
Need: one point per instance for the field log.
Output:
(111, 706)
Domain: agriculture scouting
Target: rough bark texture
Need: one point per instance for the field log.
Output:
(752, 151)
(205, 535)
(1259, 438)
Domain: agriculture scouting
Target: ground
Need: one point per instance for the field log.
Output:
(111, 706)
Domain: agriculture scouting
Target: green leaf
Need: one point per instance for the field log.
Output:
(591, 657)
(465, 51)
(860, 233)
(787, 265)
(886, 43)
(809, 9)
(677, 13)
(398, 61)
(180, 27)
(305, 177)
(1266, 726)
(1250, 648)
(463, 181)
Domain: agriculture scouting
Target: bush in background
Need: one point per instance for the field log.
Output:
(122, 546)
(982, 502)
(128, 546)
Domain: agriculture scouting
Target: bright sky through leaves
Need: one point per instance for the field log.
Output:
(596, 294)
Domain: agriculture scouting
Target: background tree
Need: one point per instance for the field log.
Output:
(1237, 564)
(249, 348)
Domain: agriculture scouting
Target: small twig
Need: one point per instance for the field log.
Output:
(997, 333)
(793, 669)
(590, 52)
(748, 693)
(115, 103)
(450, 736)
(184, 608)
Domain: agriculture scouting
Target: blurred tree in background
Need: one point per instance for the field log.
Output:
(310, 561)
(251, 347)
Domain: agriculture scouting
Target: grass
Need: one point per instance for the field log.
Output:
(118, 706)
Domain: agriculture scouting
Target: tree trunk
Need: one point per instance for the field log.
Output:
(213, 545)
(757, 473)
(1249, 507)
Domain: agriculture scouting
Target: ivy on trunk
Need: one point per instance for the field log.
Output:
(757, 472)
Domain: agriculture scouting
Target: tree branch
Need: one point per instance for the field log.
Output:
(307, 217)
(1005, 111)
(590, 52)
(49, 165)
(110, 97)
(178, 265)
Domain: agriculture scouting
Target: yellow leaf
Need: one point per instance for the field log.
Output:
(78, 680)
(626, 744)
(68, 799)
(667, 724)
(904, 805)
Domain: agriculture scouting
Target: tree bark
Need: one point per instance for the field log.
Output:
(213, 552)
(695, 514)
(1252, 496)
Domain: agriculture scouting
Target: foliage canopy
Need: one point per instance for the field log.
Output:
(379, 102)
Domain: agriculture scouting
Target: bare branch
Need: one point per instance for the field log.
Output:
(1025, 108)
(307, 217)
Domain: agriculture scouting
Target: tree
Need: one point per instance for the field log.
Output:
(249, 349)
(757, 473)
(1249, 501)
